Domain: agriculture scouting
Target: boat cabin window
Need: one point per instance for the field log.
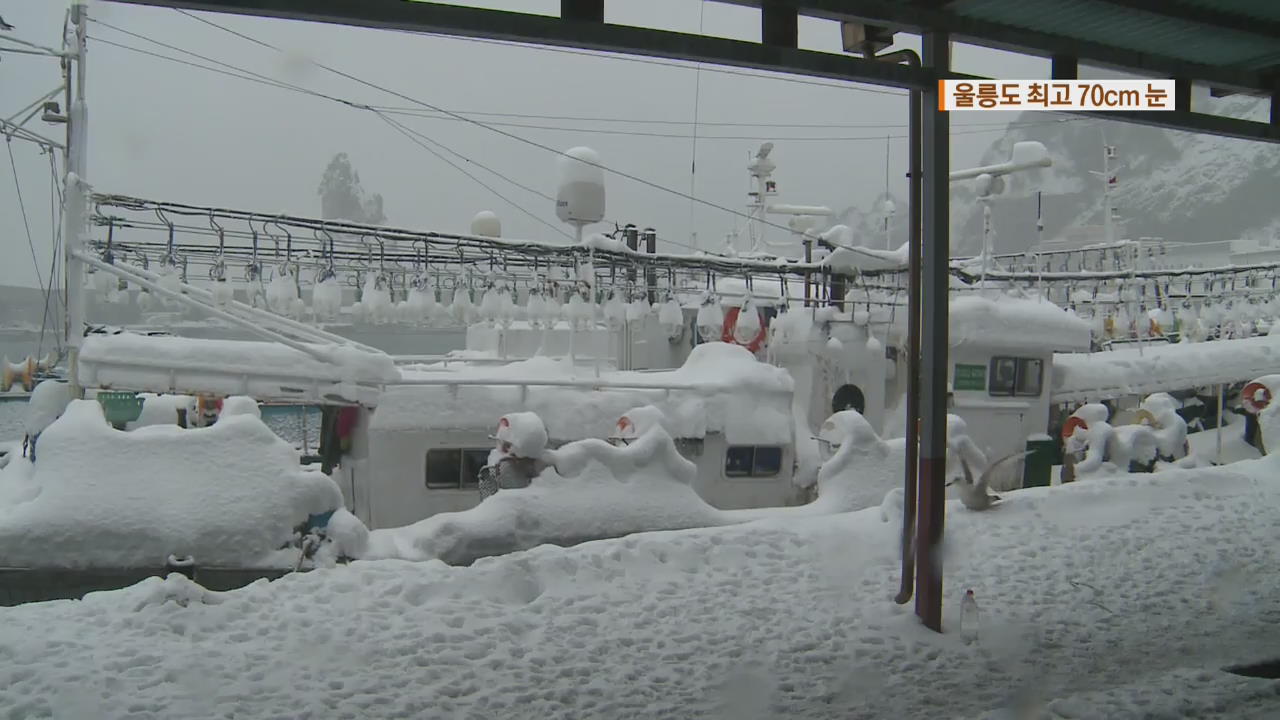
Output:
(689, 447)
(455, 468)
(1022, 377)
(752, 460)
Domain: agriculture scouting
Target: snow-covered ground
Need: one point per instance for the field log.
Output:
(1107, 599)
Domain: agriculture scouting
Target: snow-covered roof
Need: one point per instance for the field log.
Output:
(265, 370)
(1005, 321)
(1134, 371)
(721, 388)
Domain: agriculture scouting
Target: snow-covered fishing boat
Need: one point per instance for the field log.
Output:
(747, 352)
(582, 333)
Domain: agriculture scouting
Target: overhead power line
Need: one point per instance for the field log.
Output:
(493, 128)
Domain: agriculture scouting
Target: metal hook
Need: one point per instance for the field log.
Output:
(329, 236)
(288, 243)
(221, 234)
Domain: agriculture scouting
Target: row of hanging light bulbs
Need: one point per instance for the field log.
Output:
(1192, 322)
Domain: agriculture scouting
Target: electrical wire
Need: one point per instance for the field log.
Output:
(448, 113)
(22, 205)
(456, 116)
(500, 131)
(584, 53)
(403, 131)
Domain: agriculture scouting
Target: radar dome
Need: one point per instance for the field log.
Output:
(580, 197)
(486, 224)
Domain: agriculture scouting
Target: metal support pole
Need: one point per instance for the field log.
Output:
(935, 287)
(1222, 401)
(808, 260)
(584, 10)
(1064, 67)
(914, 201)
(75, 208)
(779, 26)
(651, 273)
(1182, 94)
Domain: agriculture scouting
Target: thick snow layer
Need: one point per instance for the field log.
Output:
(723, 389)
(1116, 600)
(228, 494)
(163, 410)
(239, 405)
(48, 400)
(524, 433)
(1157, 368)
(595, 490)
(140, 362)
(1005, 321)
(863, 469)
(857, 259)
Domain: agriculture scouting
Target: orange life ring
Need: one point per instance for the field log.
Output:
(1248, 394)
(1073, 422)
(731, 322)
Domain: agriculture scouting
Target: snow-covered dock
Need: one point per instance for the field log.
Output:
(1118, 598)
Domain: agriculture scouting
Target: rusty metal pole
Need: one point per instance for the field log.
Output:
(914, 198)
(936, 288)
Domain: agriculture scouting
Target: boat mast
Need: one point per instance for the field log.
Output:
(75, 206)
(1108, 152)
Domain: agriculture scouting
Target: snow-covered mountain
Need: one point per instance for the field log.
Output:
(1180, 186)
(1176, 185)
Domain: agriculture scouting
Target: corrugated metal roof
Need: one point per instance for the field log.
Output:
(1155, 32)
(1161, 31)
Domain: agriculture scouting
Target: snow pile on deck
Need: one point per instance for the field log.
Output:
(724, 389)
(48, 401)
(1008, 321)
(163, 410)
(863, 469)
(1112, 600)
(595, 490)
(98, 497)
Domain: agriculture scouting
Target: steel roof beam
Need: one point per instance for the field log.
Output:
(505, 25)
(432, 17)
(1214, 18)
(918, 19)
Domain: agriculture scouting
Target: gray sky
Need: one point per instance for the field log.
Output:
(170, 132)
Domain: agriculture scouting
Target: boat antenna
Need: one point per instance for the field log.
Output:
(693, 150)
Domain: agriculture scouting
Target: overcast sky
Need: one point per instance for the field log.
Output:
(171, 132)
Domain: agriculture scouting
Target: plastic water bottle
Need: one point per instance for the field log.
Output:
(969, 617)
